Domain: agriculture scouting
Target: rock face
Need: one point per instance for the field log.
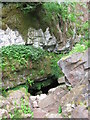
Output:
(41, 39)
(10, 37)
(37, 68)
(37, 38)
(75, 67)
(37, 32)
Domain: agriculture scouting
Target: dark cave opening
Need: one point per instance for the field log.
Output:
(44, 89)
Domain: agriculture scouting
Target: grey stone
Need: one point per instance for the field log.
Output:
(39, 113)
(46, 102)
(79, 112)
(10, 37)
(61, 80)
(72, 67)
(50, 115)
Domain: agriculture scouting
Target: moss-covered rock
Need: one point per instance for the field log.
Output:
(21, 64)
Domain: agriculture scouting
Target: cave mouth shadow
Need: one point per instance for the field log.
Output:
(43, 90)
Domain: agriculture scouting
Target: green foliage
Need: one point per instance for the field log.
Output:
(83, 29)
(42, 72)
(59, 110)
(29, 7)
(60, 9)
(69, 88)
(79, 47)
(30, 82)
(4, 93)
(16, 114)
(25, 107)
(20, 54)
(55, 68)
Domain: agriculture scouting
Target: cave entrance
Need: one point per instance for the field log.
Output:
(43, 86)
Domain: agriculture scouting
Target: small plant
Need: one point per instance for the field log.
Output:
(69, 88)
(25, 108)
(59, 110)
(17, 113)
(42, 72)
(31, 82)
(4, 93)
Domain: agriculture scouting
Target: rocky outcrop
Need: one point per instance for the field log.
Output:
(37, 38)
(27, 64)
(75, 67)
(48, 105)
(10, 37)
(13, 104)
(40, 33)
(41, 39)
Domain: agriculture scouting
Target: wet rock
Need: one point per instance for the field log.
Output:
(80, 112)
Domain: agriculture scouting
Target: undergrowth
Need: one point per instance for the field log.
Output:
(79, 47)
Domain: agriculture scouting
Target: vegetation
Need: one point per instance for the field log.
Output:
(36, 62)
(25, 108)
(59, 110)
(27, 63)
(79, 47)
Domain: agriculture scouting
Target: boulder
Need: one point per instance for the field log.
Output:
(75, 67)
(61, 80)
(35, 104)
(46, 102)
(39, 113)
